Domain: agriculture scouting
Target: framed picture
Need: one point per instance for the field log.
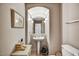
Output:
(17, 21)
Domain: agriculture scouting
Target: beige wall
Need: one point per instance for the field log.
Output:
(55, 26)
(0, 24)
(10, 36)
(71, 31)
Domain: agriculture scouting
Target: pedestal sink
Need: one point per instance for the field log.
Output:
(38, 39)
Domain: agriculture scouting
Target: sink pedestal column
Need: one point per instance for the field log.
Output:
(38, 47)
(38, 40)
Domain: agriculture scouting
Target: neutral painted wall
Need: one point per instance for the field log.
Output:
(70, 31)
(30, 30)
(65, 15)
(55, 25)
(10, 36)
(0, 24)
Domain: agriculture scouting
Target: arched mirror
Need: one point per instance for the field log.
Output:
(38, 25)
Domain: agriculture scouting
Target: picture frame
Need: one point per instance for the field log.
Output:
(17, 20)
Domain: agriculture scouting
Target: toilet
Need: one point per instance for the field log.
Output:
(68, 50)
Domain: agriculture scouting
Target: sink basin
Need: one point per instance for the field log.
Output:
(38, 38)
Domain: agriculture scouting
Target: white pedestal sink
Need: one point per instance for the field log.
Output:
(38, 39)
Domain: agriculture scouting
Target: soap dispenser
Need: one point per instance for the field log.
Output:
(22, 41)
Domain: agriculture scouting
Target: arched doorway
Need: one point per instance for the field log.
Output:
(55, 35)
(38, 25)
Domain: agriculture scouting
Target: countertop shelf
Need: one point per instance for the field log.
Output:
(26, 52)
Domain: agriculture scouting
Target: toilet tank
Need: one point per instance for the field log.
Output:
(68, 50)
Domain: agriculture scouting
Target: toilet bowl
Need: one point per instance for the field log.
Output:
(68, 50)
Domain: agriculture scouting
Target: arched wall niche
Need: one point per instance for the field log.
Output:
(38, 13)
